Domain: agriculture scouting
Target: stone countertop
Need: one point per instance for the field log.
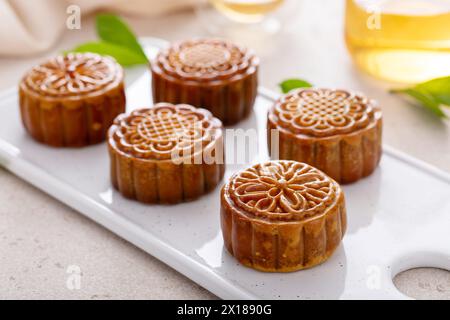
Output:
(41, 239)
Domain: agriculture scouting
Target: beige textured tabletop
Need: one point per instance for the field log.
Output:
(40, 238)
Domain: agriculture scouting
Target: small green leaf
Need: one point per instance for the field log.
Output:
(290, 84)
(427, 100)
(123, 55)
(112, 29)
(439, 88)
(432, 94)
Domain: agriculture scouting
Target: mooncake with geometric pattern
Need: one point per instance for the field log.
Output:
(336, 131)
(166, 153)
(209, 73)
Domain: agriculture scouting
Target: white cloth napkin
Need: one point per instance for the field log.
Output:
(29, 27)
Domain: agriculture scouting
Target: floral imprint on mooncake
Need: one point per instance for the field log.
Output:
(282, 216)
(283, 190)
(72, 75)
(164, 131)
(324, 112)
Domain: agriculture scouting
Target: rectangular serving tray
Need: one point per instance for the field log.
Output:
(398, 218)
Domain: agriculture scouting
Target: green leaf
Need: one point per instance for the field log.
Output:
(112, 29)
(439, 88)
(290, 84)
(432, 94)
(425, 98)
(123, 55)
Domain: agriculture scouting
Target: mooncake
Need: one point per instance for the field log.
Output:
(166, 153)
(282, 216)
(71, 100)
(209, 73)
(336, 131)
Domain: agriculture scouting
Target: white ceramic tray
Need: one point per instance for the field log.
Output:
(398, 218)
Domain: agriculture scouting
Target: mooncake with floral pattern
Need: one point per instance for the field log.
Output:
(282, 216)
(71, 100)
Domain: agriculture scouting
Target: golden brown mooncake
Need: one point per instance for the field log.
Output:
(71, 100)
(209, 73)
(282, 216)
(166, 153)
(336, 131)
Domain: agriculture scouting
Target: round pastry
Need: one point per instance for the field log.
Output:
(208, 73)
(282, 216)
(336, 131)
(71, 100)
(166, 153)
